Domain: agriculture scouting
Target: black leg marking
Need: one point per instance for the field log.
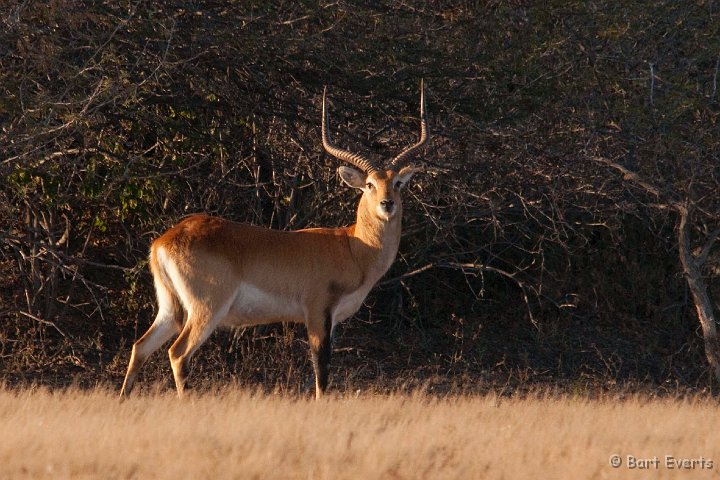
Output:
(321, 354)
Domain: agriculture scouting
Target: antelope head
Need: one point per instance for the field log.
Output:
(381, 187)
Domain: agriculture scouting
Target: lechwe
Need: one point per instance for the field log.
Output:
(209, 271)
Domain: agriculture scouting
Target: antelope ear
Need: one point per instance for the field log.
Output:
(353, 177)
(406, 173)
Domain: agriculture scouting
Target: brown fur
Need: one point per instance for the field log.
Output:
(317, 269)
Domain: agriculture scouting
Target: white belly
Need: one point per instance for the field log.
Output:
(253, 306)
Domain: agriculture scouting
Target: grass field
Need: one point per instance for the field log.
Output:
(239, 434)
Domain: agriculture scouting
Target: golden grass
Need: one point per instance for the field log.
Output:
(237, 434)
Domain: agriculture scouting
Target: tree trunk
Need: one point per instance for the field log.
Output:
(692, 268)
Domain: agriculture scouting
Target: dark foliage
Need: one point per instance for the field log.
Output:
(524, 260)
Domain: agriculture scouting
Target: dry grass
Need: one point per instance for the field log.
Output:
(237, 434)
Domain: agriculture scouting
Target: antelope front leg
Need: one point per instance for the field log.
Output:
(321, 350)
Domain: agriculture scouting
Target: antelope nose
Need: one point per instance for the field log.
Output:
(387, 204)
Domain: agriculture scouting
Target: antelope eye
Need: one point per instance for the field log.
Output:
(369, 186)
(398, 185)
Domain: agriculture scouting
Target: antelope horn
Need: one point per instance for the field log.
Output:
(406, 154)
(352, 158)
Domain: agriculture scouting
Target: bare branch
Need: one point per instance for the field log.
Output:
(652, 84)
(715, 77)
(636, 179)
(709, 242)
(44, 322)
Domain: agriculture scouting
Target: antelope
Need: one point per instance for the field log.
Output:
(210, 272)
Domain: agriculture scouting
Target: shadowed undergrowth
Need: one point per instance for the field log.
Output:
(523, 262)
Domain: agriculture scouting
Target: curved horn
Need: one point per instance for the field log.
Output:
(406, 154)
(352, 158)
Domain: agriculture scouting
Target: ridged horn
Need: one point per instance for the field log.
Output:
(352, 158)
(399, 161)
